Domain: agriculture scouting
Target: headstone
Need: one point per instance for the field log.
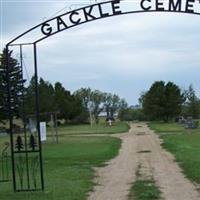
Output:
(181, 120)
(191, 124)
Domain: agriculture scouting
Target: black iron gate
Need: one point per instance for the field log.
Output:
(5, 163)
(26, 149)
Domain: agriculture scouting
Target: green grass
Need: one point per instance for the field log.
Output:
(101, 128)
(68, 168)
(144, 190)
(161, 127)
(184, 146)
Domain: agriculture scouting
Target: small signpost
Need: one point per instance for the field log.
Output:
(32, 126)
(43, 131)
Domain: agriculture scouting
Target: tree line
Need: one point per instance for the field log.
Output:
(83, 106)
(164, 101)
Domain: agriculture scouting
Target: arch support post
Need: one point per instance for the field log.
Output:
(37, 106)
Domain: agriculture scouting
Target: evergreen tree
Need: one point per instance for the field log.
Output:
(16, 85)
(154, 100)
(192, 104)
(30, 97)
(55, 98)
(46, 96)
(173, 101)
(2, 91)
(63, 101)
(19, 143)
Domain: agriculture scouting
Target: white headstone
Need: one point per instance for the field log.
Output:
(43, 131)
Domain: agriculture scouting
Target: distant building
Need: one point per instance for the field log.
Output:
(136, 107)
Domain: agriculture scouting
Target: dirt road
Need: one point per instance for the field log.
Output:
(141, 150)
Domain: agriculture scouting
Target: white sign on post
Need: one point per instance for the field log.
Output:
(43, 131)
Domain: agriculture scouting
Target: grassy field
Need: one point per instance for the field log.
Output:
(69, 165)
(185, 147)
(161, 127)
(102, 128)
(144, 190)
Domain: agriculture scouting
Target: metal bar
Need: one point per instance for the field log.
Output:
(7, 175)
(18, 152)
(38, 113)
(2, 167)
(52, 128)
(31, 190)
(24, 120)
(56, 127)
(22, 44)
(10, 116)
(3, 181)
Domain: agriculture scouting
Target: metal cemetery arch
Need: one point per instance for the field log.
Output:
(58, 24)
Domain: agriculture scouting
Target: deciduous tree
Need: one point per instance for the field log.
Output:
(192, 105)
(162, 101)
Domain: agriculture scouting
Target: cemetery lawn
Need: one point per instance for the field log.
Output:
(184, 144)
(69, 168)
(101, 128)
(161, 127)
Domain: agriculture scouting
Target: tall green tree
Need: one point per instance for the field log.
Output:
(162, 101)
(192, 105)
(153, 101)
(55, 98)
(85, 95)
(112, 104)
(30, 97)
(63, 101)
(173, 101)
(16, 85)
(97, 99)
(2, 91)
(46, 95)
(79, 113)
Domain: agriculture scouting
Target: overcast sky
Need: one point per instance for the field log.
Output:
(122, 55)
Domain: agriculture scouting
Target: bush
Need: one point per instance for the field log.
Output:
(130, 114)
